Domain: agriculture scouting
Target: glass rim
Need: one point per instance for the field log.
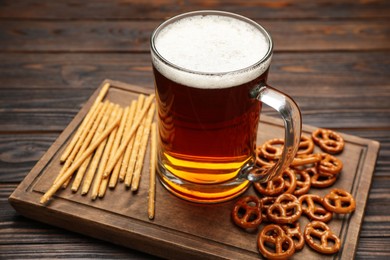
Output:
(211, 12)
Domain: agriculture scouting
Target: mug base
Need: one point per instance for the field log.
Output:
(202, 193)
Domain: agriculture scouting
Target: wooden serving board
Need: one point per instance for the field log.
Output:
(181, 229)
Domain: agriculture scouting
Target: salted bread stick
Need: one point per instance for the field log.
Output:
(81, 129)
(98, 153)
(54, 188)
(88, 139)
(115, 173)
(142, 148)
(102, 164)
(132, 150)
(118, 136)
(124, 158)
(80, 142)
(97, 129)
(90, 115)
(117, 112)
(152, 175)
(107, 150)
(126, 155)
(133, 129)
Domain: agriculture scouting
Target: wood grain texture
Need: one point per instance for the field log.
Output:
(161, 9)
(20, 152)
(133, 36)
(109, 219)
(332, 56)
(351, 88)
(347, 71)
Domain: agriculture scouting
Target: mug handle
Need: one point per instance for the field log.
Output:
(291, 116)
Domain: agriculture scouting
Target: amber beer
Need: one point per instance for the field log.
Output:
(215, 126)
(205, 66)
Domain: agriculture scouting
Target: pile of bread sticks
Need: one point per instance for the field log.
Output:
(109, 145)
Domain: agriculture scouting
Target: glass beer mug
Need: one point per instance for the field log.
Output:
(210, 70)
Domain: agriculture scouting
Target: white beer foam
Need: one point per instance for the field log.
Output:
(211, 44)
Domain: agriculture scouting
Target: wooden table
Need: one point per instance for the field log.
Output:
(332, 57)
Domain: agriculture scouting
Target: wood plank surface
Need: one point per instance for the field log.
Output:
(161, 9)
(109, 219)
(332, 56)
(316, 71)
(325, 109)
(133, 36)
(322, 90)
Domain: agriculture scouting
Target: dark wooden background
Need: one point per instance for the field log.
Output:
(332, 57)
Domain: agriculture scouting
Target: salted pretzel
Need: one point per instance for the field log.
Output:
(313, 207)
(273, 148)
(339, 201)
(306, 159)
(318, 180)
(273, 187)
(306, 146)
(328, 140)
(290, 181)
(285, 210)
(266, 202)
(273, 243)
(329, 165)
(294, 231)
(303, 183)
(247, 212)
(261, 160)
(322, 233)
